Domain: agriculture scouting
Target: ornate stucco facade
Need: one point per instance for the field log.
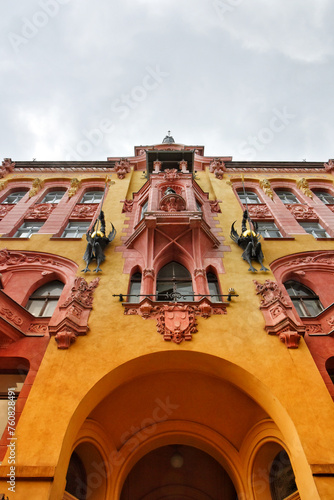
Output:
(175, 372)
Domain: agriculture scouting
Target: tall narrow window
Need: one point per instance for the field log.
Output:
(304, 299)
(281, 477)
(315, 229)
(213, 287)
(54, 196)
(325, 197)
(28, 228)
(92, 197)
(286, 197)
(143, 209)
(174, 283)
(14, 197)
(134, 290)
(248, 197)
(11, 383)
(44, 300)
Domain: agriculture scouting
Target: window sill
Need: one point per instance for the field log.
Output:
(288, 238)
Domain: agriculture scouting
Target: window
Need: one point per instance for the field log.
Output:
(9, 379)
(135, 286)
(306, 302)
(315, 229)
(76, 478)
(248, 197)
(281, 477)
(198, 206)
(14, 197)
(53, 196)
(330, 368)
(213, 287)
(174, 283)
(44, 300)
(143, 209)
(92, 197)
(268, 230)
(325, 197)
(286, 196)
(28, 228)
(75, 229)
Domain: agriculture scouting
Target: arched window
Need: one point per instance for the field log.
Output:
(135, 285)
(76, 478)
(330, 367)
(174, 283)
(213, 287)
(54, 196)
(14, 197)
(281, 477)
(92, 196)
(248, 197)
(304, 299)
(44, 300)
(286, 196)
(325, 197)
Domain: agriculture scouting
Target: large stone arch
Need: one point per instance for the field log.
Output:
(237, 389)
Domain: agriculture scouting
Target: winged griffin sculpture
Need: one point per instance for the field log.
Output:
(97, 241)
(249, 242)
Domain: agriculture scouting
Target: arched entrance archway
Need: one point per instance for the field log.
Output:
(177, 472)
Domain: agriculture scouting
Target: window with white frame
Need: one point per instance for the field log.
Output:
(75, 229)
(315, 229)
(54, 196)
(28, 228)
(248, 197)
(268, 230)
(286, 196)
(324, 196)
(92, 197)
(306, 302)
(44, 300)
(14, 197)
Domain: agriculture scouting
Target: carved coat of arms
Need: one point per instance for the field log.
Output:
(177, 322)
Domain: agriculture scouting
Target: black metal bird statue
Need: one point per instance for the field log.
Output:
(97, 242)
(249, 242)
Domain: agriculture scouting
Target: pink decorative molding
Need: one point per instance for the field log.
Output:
(122, 167)
(329, 167)
(127, 206)
(302, 212)
(278, 314)
(170, 174)
(40, 211)
(172, 203)
(214, 206)
(259, 211)
(5, 209)
(72, 318)
(7, 166)
(84, 211)
(175, 321)
(217, 166)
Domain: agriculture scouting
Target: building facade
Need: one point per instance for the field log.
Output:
(180, 370)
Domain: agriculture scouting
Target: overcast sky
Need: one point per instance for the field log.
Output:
(84, 80)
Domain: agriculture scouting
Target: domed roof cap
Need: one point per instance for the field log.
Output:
(168, 139)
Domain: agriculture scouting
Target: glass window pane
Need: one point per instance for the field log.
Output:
(286, 196)
(53, 288)
(34, 306)
(248, 197)
(53, 197)
(50, 307)
(14, 197)
(92, 197)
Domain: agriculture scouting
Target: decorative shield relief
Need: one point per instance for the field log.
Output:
(177, 322)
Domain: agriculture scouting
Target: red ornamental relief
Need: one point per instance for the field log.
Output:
(41, 211)
(259, 211)
(172, 203)
(217, 166)
(84, 211)
(82, 292)
(270, 291)
(7, 166)
(215, 208)
(127, 206)
(177, 322)
(170, 174)
(302, 211)
(122, 168)
(329, 167)
(4, 209)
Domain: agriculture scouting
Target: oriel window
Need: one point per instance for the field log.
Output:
(174, 283)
